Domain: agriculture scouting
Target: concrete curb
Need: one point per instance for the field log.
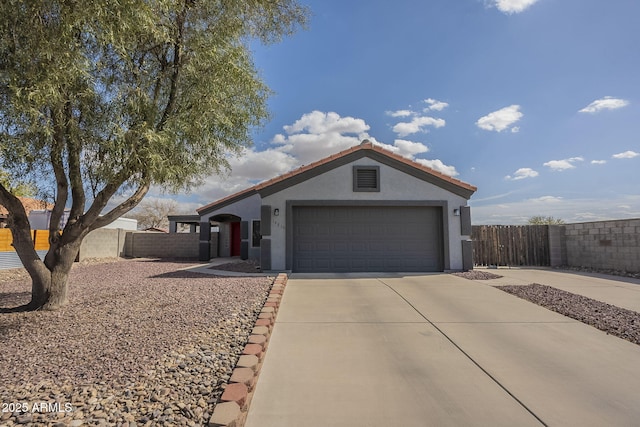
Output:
(232, 407)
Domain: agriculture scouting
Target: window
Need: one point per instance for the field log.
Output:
(255, 234)
(366, 178)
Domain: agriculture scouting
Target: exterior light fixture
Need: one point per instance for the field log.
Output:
(276, 212)
(456, 212)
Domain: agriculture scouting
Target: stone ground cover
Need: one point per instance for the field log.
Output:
(608, 318)
(141, 342)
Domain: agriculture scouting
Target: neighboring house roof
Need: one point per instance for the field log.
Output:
(366, 149)
(156, 230)
(29, 204)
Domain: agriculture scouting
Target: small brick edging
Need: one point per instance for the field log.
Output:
(232, 407)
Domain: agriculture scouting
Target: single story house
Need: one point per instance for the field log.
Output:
(364, 209)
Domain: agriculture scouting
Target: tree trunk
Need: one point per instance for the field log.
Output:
(48, 280)
(59, 276)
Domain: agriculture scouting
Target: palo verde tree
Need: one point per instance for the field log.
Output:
(103, 99)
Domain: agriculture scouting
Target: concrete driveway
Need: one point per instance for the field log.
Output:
(436, 350)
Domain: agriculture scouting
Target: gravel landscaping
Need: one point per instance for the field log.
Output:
(477, 275)
(140, 343)
(613, 320)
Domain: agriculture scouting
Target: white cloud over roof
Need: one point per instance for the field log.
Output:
(513, 6)
(312, 137)
(606, 103)
(522, 173)
(410, 147)
(501, 119)
(436, 164)
(626, 155)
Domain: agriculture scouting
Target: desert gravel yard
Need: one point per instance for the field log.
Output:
(140, 342)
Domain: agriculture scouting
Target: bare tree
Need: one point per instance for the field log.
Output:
(544, 220)
(153, 213)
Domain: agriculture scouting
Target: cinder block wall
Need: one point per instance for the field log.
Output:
(612, 245)
(557, 245)
(103, 243)
(161, 245)
(110, 243)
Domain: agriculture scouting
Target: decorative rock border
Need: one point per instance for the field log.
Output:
(231, 410)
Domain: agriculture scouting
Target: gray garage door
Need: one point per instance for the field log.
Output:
(359, 238)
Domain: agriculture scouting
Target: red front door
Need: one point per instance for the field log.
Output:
(235, 239)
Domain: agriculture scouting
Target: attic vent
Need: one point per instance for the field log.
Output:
(366, 178)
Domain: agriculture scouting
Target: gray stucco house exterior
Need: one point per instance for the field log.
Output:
(364, 209)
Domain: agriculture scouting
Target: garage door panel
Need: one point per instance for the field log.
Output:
(378, 246)
(357, 238)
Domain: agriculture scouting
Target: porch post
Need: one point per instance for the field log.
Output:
(205, 244)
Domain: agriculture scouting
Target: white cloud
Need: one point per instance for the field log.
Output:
(606, 103)
(247, 169)
(522, 173)
(317, 134)
(418, 124)
(310, 138)
(501, 119)
(436, 164)
(255, 165)
(598, 162)
(409, 147)
(561, 165)
(546, 199)
(626, 155)
(400, 113)
(318, 122)
(435, 105)
(512, 6)
(570, 210)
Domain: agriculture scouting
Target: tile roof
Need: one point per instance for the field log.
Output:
(29, 204)
(365, 145)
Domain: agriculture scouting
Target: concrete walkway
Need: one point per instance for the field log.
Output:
(436, 350)
(210, 268)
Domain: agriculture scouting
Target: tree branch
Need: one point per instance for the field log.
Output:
(177, 65)
(75, 172)
(62, 185)
(123, 207)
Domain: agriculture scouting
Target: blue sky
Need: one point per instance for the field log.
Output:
(535, 102)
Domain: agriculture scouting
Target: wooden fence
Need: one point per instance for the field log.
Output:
(8, 256)
(511, 245)
(40, 240)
